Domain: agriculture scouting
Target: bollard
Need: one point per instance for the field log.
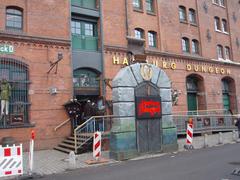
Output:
(189, 139)
(205, 140)
(72, 160)
(220, 138)
(31, 152)
(97, 145)
(234, 136)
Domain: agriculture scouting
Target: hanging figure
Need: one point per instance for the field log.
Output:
(5, 96)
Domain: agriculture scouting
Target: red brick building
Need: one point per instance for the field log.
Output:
(195, 42)
(34, 35)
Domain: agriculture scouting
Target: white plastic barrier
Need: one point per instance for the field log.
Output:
(11, 161)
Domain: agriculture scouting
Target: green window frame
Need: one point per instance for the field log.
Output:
(152, 39)
(84, 35)
(89, 4)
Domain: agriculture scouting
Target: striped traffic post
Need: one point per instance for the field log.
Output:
(97, 145)
(31, 150)
(11, 161)
(189, 139)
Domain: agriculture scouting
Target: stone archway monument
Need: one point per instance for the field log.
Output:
(142, 105)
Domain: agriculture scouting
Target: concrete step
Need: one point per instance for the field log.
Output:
(65, 150)
(69, 146)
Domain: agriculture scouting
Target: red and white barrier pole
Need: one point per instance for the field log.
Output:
(97, 145)
(189, 139)
(31, 150)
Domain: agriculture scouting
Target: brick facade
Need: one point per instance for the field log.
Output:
(45, 34)
(165, 22)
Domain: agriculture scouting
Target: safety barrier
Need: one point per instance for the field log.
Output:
(97, 145)
(11, 161)
(205, 123)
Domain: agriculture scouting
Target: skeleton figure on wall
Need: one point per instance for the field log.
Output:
(5, 96)
(175, 96)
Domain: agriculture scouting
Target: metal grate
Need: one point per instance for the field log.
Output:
(17, 75)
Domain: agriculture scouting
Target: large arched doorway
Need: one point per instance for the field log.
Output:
(195, 93)
(229, 94)
(16, 74)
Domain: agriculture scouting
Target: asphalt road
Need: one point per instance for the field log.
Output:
(214, 163)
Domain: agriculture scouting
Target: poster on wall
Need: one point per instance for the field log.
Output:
(148, 107)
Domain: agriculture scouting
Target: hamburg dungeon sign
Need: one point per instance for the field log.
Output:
(142, 105)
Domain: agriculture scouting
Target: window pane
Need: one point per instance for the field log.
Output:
(227, 53)
(138, 34)
(182, 13)
(136, 4)
(14, 19)
(185, 45)
(149, 4)
(151, 39)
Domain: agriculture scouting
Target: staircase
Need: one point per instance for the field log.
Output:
(84, 141)
(84, 134)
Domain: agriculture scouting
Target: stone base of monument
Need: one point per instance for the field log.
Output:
(99, 161)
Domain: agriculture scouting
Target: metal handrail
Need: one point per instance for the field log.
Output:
(84, 125)
(62, 124)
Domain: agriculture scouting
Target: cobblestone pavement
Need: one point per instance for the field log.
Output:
(51, 161)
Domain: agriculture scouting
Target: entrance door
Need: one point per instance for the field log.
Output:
(192, 101)
(226, 101)
(148, 130)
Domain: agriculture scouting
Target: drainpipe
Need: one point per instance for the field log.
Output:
(126, 12)
(103, 88)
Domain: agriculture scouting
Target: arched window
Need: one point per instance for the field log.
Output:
(139, 33)
(219, 51)
(152, 39)
(195, 46)
(224, 25)
(195, 93)
(15, 73)
(192, 16)
(229, 94)
(217, 24)
(14, 18)
(182, 13)
(185, 45)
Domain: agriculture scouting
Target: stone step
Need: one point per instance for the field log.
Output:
(62, 149)
(71, 141)
(72, 147)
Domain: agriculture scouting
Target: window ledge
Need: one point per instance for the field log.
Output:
(217, 30)
(138, 10)
(224, 32)
(151, 13)
(183, 21)
(194, 24)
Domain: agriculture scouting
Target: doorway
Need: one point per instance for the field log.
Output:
(148, 130)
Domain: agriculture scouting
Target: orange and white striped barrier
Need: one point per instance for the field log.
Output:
(11, 161)
(189, 139)
(97, 145)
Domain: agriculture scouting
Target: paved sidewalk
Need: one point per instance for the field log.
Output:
(51, 161)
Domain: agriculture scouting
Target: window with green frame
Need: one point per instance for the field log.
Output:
(152, 39)
(90, 4)
(149, 5)
(84, 35)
